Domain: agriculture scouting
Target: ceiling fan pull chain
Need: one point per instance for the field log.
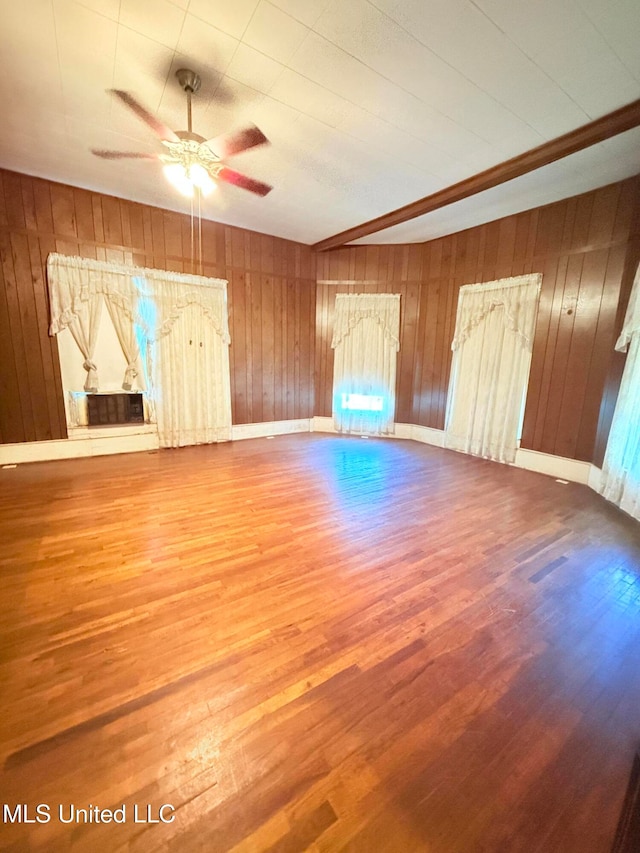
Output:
(200, 231)
(193, 253)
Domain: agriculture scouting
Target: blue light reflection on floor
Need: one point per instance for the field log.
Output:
(625, 582)
(360, 474)
(600, 591)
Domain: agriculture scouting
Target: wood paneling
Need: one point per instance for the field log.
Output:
(272, 325)
(31, 405)
(299, 646)
(271, 298)
(586, 247)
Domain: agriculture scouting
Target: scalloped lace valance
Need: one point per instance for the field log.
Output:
(632, 317)
(351, 308)
(518, 296)
(74, 282)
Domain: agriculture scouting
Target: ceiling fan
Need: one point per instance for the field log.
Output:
(191, 161)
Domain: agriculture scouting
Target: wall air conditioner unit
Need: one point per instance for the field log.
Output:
(114, 409)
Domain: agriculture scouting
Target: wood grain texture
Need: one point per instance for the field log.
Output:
(587, 249)
(316, 643)
(627, 838)
(281, 360)
(272, 350)
(31, 405)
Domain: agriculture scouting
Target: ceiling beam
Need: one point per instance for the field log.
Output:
(625, 118)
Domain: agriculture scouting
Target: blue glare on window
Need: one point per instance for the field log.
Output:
(361, 402)
(145, 328)
(146, 312)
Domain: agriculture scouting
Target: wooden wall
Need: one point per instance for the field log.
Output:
(581, 245)
(271, 299)
(587, 248)
(272, 326)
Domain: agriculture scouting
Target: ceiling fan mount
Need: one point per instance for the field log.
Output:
(189, 80)
(193, 162)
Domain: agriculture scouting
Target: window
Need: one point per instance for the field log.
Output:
(366, 341)
(491, 347)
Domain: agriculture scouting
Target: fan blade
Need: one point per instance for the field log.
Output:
(229, 144)
(121, 155)
(243, 181)
(155, 124)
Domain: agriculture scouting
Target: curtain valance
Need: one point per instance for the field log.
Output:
(383, 308)
(75, 282)
(518, 296)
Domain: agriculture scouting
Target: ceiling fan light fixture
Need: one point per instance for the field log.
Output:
(199, 176)
(177, 176)
(192, 162)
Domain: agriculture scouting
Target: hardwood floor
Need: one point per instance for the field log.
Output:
(315, 643)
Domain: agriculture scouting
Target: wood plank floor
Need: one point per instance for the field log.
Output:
(315, 643)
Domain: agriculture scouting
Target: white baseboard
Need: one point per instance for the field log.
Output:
(554, 466)
(412, 432)
(595, 478)
(322, 425)
(426, 435)
(240, 431)
(83, 442)
(97, 441)
(573, 470)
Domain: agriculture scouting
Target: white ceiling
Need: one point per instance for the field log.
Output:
(368, 104)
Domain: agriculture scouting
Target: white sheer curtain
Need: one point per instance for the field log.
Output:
(178, 322)
(190, 348)
(123, 323)
(491, 347)
(77, 289)
(621, 469)
(366, 341)
(76, 305)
